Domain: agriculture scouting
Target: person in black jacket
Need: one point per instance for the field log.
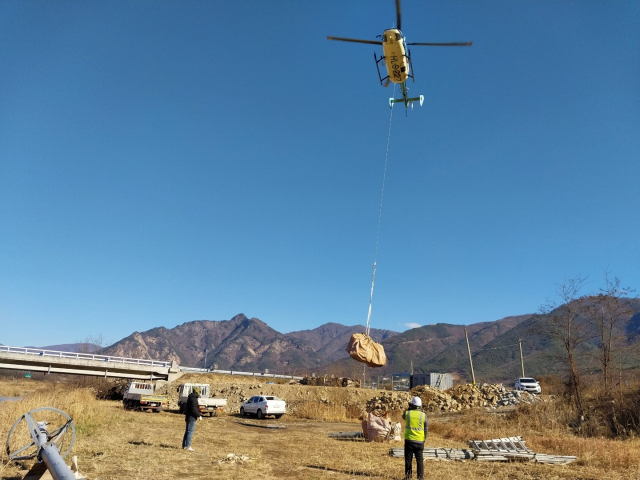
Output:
(191, 415)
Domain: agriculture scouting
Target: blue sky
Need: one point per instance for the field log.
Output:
(165, 161)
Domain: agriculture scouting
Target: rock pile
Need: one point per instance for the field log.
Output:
(388, 403)
(171, 392)
(235, 458)
(515, 397)
(330, 381)
(461, 397)
(488, 395)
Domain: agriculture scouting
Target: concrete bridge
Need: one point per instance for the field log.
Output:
(52, 361)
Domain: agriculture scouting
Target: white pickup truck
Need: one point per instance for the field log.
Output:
(140, 396)
(206, 404)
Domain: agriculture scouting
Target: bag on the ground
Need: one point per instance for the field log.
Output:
(378, 429)
(362, 348)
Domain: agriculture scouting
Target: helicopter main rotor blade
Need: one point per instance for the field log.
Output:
(355, 40)
(398, 15)
(456, 44)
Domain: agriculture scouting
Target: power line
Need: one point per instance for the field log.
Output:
(494, 348)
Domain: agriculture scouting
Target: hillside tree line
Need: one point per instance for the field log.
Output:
(579, 322)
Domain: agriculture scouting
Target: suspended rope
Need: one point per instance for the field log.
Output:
(384, 177)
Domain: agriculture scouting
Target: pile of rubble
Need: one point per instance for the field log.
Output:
(235, 458)
(170, 390)
(488, 395)
(388, 403)
(461, 397)
(330, 381)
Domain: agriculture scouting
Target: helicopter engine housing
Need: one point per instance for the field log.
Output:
(395, 56)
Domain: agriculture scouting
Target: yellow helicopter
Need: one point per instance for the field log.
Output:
(397, 58)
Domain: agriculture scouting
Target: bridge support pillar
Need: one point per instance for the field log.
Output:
(174, 372)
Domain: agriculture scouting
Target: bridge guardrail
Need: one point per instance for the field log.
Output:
(83, 356)
(234, 372)
(131, 361)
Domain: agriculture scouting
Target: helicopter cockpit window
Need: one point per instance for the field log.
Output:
(397, 36)
(384, 38)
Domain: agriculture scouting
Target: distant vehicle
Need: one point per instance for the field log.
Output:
(528, 384)
(206, 404)
(140, 396)
(263, 405)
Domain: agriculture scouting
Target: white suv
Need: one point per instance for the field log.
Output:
(528, 385)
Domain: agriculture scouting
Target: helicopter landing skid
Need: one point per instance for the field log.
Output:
(380, 77)
(406, 101)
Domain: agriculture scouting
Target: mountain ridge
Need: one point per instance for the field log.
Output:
(249, 344)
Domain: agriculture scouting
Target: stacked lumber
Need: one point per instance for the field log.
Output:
(512, 448)
(446, 454)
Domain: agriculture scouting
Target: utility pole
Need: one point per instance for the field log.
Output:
(521, 359)
(473, 375)
(206, 350)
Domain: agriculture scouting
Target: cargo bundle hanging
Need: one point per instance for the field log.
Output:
(362, 348)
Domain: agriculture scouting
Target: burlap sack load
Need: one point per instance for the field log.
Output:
(363, 349)
(377, 429)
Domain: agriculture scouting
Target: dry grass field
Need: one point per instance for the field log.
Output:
(116, 444)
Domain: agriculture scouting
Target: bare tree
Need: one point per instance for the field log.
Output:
(606, 311)
(566, 326)
(91, 344)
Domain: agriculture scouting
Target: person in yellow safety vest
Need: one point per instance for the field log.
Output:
(415, 433)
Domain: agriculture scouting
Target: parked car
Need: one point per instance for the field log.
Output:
(263, 405)
(527, 384)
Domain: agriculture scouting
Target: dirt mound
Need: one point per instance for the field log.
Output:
(357, 401)
(239, 389)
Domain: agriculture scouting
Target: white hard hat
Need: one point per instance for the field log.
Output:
(416, 401)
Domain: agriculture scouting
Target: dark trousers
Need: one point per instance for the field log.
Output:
(188, 433)
(412, 448)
